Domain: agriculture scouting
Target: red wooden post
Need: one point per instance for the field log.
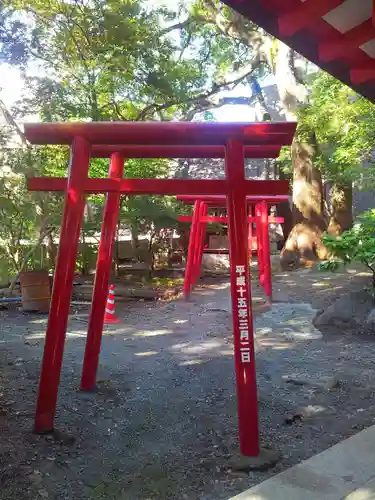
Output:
(266, 250)
(250, 235)
(259, 233)
(201, 233)
(191, 249)
(241, 302)
(102, 275)
(62, 286)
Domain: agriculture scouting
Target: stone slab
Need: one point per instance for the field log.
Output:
(345, 471)
(298, 483)
(352, 459)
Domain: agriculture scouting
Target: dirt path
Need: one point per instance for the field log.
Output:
(163, 422)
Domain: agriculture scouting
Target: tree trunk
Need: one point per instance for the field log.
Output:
(51, 251)
(341, 209)
(85, 266)
(304, 244)
(308, 200)
(283, 209)
(135, 240)
(151, 255)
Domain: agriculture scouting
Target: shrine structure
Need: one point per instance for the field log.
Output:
(232, 141)
(199, 220)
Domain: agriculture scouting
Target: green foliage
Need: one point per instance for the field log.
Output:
(355, 245)
(12, 37)
(104, 60)
(342, 122)
(329, 265)
(26, 217)
(285, 162)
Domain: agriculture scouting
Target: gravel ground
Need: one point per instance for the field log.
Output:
(162, 424)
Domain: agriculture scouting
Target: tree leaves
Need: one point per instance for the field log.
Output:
(343, 124)
(114, 60)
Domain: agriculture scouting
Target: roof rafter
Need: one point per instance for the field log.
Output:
(344, 44)
(305, 15)
(362, 75)
(324, 33)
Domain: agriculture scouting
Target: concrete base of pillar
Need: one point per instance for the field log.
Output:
(264, 461)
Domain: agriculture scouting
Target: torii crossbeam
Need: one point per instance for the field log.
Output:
(88, 139)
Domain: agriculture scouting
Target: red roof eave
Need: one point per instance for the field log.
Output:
(300, 26)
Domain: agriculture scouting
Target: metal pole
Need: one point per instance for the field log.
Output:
(192, 243)
(241, 301)
(102, 275)
(62, 286)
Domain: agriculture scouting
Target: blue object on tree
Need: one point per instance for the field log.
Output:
(255, 87)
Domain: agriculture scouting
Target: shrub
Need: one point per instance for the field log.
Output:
(354, 245)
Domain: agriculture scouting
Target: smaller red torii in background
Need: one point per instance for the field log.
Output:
(199, 221)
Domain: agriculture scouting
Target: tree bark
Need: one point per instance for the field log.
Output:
(135, 240)
(304, 241)
(304, 244)
(51, 251)
(341, 208)
(283, 209)
(308, 200)
(85, 265)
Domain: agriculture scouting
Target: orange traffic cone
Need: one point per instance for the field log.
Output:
(110, 316)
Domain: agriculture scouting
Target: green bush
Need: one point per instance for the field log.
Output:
(329, 265)
(355, 245)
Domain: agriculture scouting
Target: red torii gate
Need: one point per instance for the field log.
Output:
(199, 222)
(233, 139)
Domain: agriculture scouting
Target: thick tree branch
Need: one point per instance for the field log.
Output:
(184, 24)
(12, 122)
(201, 99)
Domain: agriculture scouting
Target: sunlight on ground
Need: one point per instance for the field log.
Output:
(41, 335)
(278, 346)
(146, 353)
(152, 333)
(331, 288)
(187, 348)
(263, 330)
(190, 362)
(320, 283)
(315, 409)
(35, 336)
(77, 333)
(363, 273)
(227, 352)
(361, 494)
